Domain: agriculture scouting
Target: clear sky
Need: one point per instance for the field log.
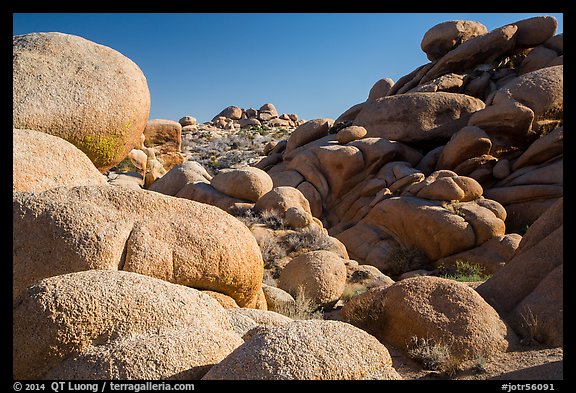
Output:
(312, 64)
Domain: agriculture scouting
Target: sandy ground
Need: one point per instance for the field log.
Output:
(534, 363)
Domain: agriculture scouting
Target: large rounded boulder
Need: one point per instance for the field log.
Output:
(307, 350)
(66, 230)
(89, 94)
(101, 324)
(436, 309)
(41, 161)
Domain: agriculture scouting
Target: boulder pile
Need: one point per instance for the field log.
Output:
(233, 117)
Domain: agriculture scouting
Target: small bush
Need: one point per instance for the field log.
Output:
(311, 238)
(528, 327)
(250, 217)
(302, 308)
(351, 292)
(464, 271)
(405, 259)
(433, 355)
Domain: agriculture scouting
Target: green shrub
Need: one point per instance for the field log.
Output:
(464, 271)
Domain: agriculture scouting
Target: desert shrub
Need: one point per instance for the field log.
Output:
(311, 238)
(302, 308)
(352, 291)
(125, 166)
(528, 327)
(251, 217)
(434, 355)
(405, 259)
(464, 271)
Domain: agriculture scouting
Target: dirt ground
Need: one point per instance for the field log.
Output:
(530, 362)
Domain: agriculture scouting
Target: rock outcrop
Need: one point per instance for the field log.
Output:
(528, 290)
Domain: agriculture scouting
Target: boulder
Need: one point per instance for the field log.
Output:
(439, 310)
(66, 230)
(349, 134)
(42, 161)
(296, 218)
(556, 43)
(528, 290)
(481, 49)
(247, 183)
(320, 275)
(187, 121)
(540, 90)
(307, 350)
(308, 132)
(164, 139)
(380, 89)
(270, 109)
(280, 199)
(230, 112)
(277, 299)
(279, 123)
(445, 36)
(101, 324)
(179, 176)
(535, 31)
(88, 94)
(249, 123)
(467, 143)
(415, 117)
(509, 125)
(166, 135)
(538, 57)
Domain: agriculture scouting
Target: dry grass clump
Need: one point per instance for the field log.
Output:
(291, 244)
(405, 259)
(436, 356)
(250, 217)
(302, 307)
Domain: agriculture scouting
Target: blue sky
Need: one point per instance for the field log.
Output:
(315, 65)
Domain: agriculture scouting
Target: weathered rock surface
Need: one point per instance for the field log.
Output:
(320, 275)
(527, 291)
(244, 183)
(417, 117)
(101, 324)
(445, 36)
(164, 137)
(42, 161)
(66, 230)
(86, 93)
(436, 309)
(306, 350)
